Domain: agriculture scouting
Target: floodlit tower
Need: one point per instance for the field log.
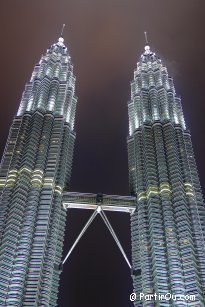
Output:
(168, 226)
(35, 170)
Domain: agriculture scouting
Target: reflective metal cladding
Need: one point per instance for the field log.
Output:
(35, 169)
(166, 206)
(168, 226)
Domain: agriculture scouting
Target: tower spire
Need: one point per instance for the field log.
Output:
(146, 40)
(62, 30)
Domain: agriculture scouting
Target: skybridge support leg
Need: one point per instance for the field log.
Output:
(107, 223)
(80, 235)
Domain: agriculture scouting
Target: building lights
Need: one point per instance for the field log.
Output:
(169, 206)
(32, 218)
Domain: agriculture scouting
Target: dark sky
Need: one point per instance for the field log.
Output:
(105, 39)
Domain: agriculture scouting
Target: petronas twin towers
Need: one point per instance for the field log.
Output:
(166, 206)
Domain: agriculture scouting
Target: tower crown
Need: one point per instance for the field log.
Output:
(147, 50)
(153, 96)
(59, 47)
(52, 84)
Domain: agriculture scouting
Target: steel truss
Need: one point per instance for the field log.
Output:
(99, 203)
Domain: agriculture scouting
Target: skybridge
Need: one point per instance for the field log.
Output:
(99, 204)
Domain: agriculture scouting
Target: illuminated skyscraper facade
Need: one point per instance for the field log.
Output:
(168, 222)
(168, 226)
(35, 169)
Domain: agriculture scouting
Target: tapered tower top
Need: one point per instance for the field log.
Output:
(52, 84)
(153, 96)
(148, 55)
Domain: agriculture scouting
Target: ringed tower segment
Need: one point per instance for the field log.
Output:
(35, 170)
(168, 248)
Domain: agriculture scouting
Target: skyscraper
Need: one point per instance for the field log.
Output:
(168, 226)
(35, 169)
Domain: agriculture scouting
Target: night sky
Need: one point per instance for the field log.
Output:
(105, 39)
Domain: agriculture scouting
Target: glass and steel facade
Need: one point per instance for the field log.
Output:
(35, 170)
(168, 226)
